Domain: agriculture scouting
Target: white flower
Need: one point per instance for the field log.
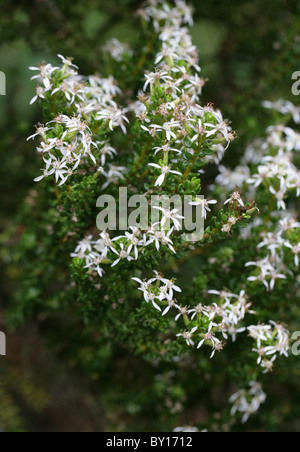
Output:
(235, 197)
(145, 285)
(260, 333)
(71, 90)
(115, 117)
(93, 261)
(166, 148)
(249, 401)
(106, 150)
(221, 127)
(84, 246)
(227, 296)
(67, 61)
(204, 203)
(167, 128)
(295, 250)
(199, 309)
(154, 77)
(275, 274)
(171, 286)
(171, 304)
(41, 130)
(170, 215)
(160, 238)
(45, 72)
(268, 365)
(280, 195)
(187, 335)
(150, 296)
(46, 173)
(212, 340)
(123, 254)
(164, 171)
(166, 53)
(116, 49)
(40, 93)
(183, 310)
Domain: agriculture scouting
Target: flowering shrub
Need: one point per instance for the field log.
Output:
(175, 303)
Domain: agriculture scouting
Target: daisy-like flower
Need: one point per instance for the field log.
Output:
(221, 127)
(84, 246)
(170, 216)
(232, 330)
(160, 238)
(41, 131)
(212, 340)
(171, 304)
(235, 197)
(67, 62)
(260, 333)
(150, 296)
(154, 77)
(167, 127)
(248, 402)
(46, 173)
(72, 90)
(123, 254)
(204, 203)
(166, 148)
(268, 365)
(104, 244)
(295, 250)
(171, 286)
(40, 93)
(134, 241)
(115, 117)
(106, 151)
(164, 171)
(183, 310)
(187, 335)
(279, 195)
(145, 285)
(227, 296)
(289, 108)
(258, 179)
(166, 53)
(275, 275)
(45, 72)
(199, 130)
(199, 309)
(94, 260)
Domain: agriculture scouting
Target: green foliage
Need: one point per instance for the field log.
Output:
(141, 376)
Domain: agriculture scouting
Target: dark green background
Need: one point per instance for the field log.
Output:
(248, 50)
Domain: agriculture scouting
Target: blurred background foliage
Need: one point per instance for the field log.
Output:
(248, 51)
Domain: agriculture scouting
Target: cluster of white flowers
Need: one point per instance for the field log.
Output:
(278, 172)
(272, 267)
(111, 251)
(248, 401)
(176, 74)
(273, 159)
(284, 107)
(271, 340)
(270, 163)
(204, 322)
(162, 293)
(117, 49)
(68, 141)
(229, 179)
